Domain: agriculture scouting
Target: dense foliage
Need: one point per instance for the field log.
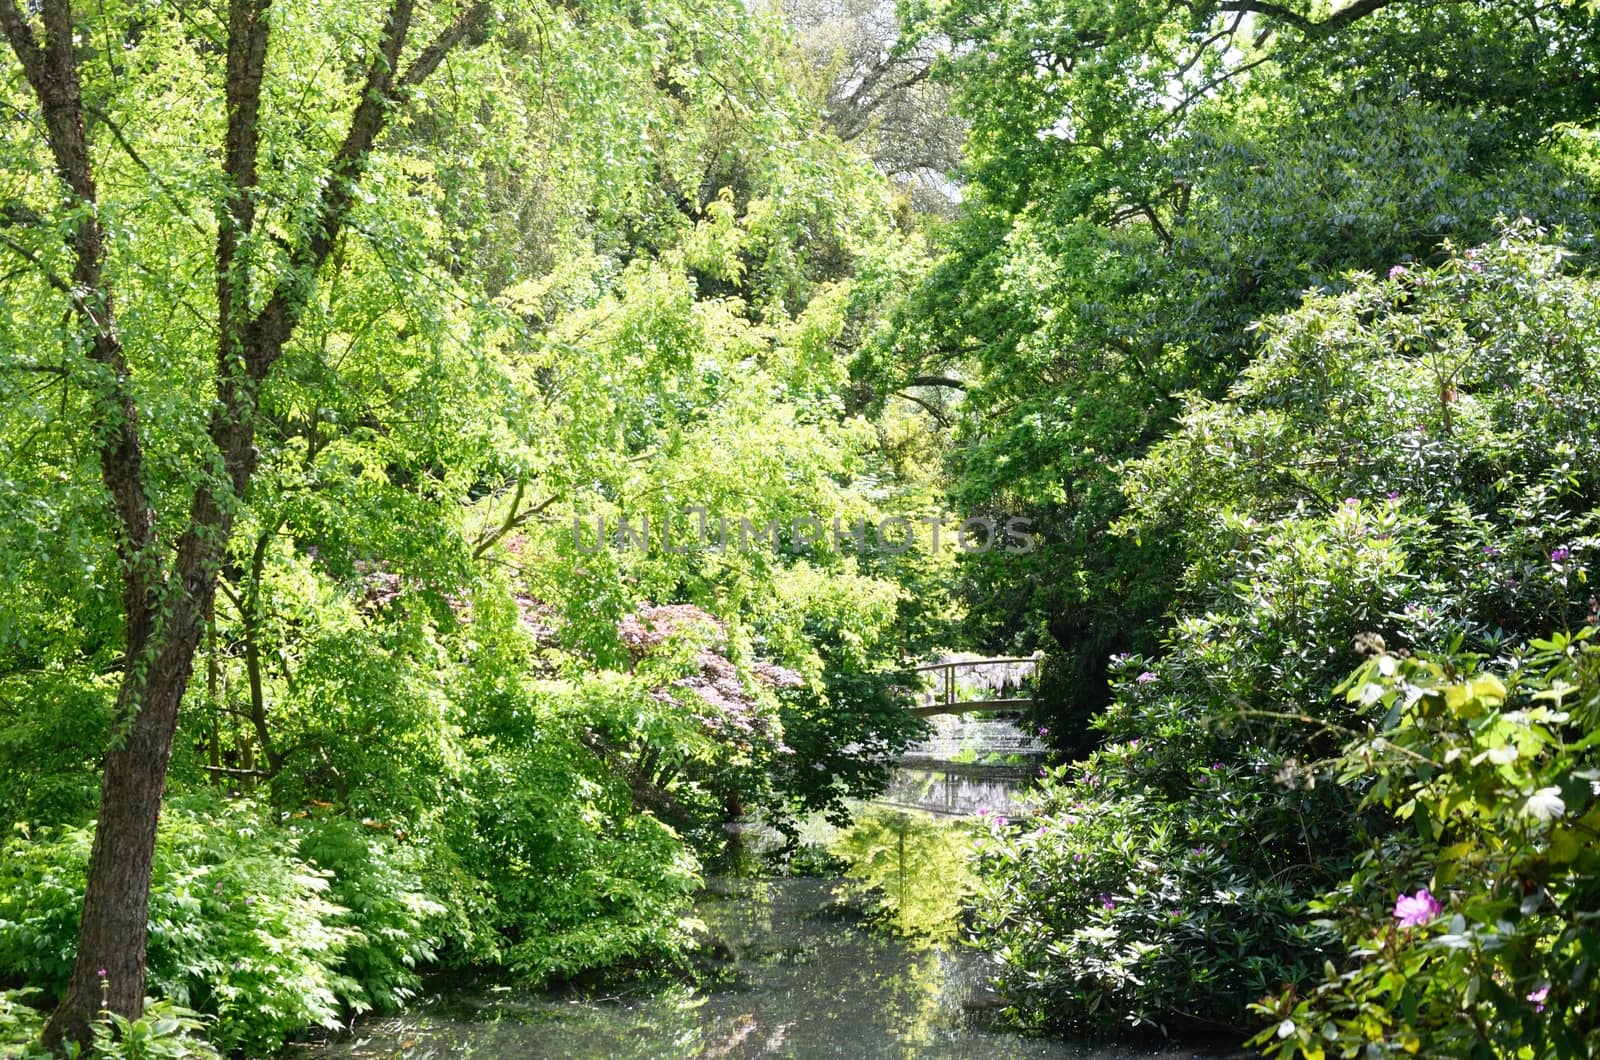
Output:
(1147, 180)
(1492, 778)
(447, 479)
(606, 264)
(1407, 463)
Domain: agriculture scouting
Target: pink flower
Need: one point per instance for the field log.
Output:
(101, 972)
(1414, 910)
(1145, 678)
(1107, 902)
(1538, 996)
(1397, 272)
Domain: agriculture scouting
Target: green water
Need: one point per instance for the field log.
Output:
(798, 973)
(801, 978)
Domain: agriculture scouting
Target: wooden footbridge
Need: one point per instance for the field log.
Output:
(965, 684)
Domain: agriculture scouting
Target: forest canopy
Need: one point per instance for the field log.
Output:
(372, 372)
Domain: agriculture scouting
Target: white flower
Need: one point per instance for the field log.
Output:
(1545, 804)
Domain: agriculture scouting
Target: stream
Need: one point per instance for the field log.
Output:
(800, 977)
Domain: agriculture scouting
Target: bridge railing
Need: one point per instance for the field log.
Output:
(1010, 691)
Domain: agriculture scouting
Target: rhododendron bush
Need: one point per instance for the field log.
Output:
(1410, 465)
(1492, 769)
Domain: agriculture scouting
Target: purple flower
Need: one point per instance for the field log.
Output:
(1107, 902)
(1001, 822)
(1069, 819)
(1538, 996)
(1394, 498)
(101, 972)
(1414, 910)
(1397, 271)
(1561, 555)
(1041, 830)
(1044, 730)
(1491, 550)
(1474, 266)
(1216, 765)
(1133, 745)
(249, 900)
(1197, 851)
(1145, 678)
(1351, 502)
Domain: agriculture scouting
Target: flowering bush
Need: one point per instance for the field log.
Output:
(1409, 461)
(1496, 778)
(1109, 910)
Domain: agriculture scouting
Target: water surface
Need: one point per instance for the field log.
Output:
(795, 973)
(800, 978)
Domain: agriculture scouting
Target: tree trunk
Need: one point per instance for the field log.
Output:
(167, 592)
(110, 972)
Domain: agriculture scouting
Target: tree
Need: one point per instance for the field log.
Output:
(1149, 178)
(879, 94)
(1406, 466)
(266, 263)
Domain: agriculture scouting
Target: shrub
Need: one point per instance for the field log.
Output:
(244, 925)
(165, 1032)
(379, 883)
(571, 877)
(1112, 909)
(1474, 929)
(1411, 459)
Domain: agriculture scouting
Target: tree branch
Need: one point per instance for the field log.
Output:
(513, 519)
(939, 417)
(471, 19)
(51, 70)
(1318, 27)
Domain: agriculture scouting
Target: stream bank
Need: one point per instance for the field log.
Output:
(796, 974)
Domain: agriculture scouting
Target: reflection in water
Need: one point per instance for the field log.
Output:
(913, 870)
(956, 790)
(976, 738)
(801, 979)
(799, 974)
